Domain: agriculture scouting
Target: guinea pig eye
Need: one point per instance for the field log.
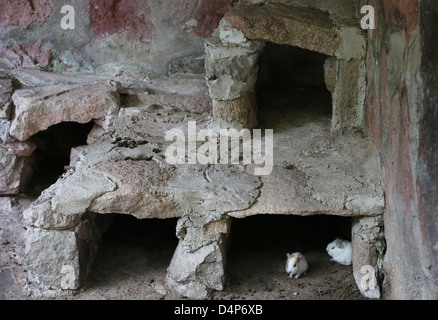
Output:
(295, 265)
(333, 247)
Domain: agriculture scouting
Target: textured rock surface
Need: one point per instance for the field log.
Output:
(37, 109)
(200, 16)
(62, 205)
(59, 260)
(233, 52)
(195, 274)
(235, 114)
(308, 28)
(323, 174)
(5, 97)
(132, 17)
(124, 171)
(199, 103)
(231, 69)
(134, 194)
(24, 12)
(47, 251)
(400, 117)
(5, 125)
(369, 246)
(14, 168)
(349, 96)
(11, 167)
(282, 24)
(26, 55)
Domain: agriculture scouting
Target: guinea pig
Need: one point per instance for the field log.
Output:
(296, 264)
(340, 251)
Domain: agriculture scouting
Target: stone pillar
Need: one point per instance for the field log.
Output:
(231, 72)
(348, 93)
(368, 247)
(198, 265)
(15, 156)
(60, 259)
(62, 236)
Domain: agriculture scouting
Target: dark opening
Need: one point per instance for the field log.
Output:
(257, 258)
(291, 86)
(134, 253)
(52, 155)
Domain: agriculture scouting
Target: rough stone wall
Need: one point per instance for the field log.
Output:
(109, 35)
(401, 118)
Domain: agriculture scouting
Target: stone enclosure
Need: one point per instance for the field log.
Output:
(324, 161)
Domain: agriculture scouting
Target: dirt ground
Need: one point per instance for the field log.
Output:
(132, 262)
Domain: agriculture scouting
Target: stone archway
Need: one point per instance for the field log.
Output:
(233, 51)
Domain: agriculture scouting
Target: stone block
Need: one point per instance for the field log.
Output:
(111, 17)
(368, 247)
(23, 13)
(306, 28)
(331, 73)
(134, 195)
(60, 260)
(39, 108)
(195, 274)
(5, 98)
(348, 96)
(74, 153)
(231, 69)
(235, 114)
(5, 126)
(21, 149)
(196, 103)
(187, 65)
(14, 171)
(51, 257)
(62, 205)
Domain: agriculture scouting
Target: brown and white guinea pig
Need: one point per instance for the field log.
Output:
(340, 251)
(296, 264)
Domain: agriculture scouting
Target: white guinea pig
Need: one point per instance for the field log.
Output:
(340, 251)
(296, 264)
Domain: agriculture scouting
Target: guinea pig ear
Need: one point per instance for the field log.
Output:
(339, 244)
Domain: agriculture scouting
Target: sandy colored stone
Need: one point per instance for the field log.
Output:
(60, 260)
(47, 252)
(39, 108)
(21, 149)
(330, 73)
(239, 113)
(306, 28)
(134, 194)
(75, 192)
(200, 103)
(349, 96)
(5, 125)
(231, 69)
(74, 153)
(14, 171)
(195, 274)
(95, 133)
